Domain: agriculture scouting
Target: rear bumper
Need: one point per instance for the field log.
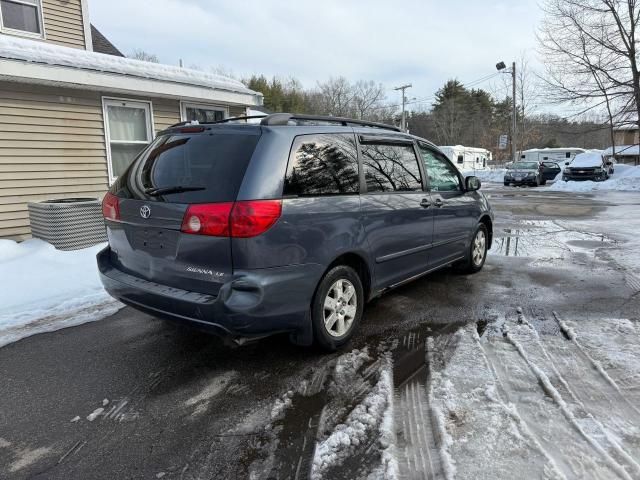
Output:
(523, 181)
(253, 304)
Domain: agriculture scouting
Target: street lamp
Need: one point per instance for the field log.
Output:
(501, 66)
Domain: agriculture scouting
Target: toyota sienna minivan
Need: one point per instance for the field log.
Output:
(289, 226)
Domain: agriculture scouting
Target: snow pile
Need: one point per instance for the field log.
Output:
(374, 413)
(41, 52)
(44, 289)
(495, 175)
(625, 178)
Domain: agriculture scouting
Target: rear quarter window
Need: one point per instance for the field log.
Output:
(323, 164)
(214, 161)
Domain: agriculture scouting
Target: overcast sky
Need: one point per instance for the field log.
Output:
(423, 42)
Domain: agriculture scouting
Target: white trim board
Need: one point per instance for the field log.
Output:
(86, 25)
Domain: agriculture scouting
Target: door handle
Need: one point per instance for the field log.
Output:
(439, 203)
(425, 203)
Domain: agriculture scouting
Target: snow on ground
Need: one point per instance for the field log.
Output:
(373, 414)
(515, 403)
(625, 178)
(493, 175)
(45, 289)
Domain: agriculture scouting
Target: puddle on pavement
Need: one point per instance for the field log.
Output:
(543, 239)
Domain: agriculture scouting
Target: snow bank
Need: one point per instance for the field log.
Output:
(625, 178)
(44, 289)
(40, 52)
(374, 413)
(495, 175)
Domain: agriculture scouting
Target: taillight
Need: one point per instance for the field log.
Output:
(111, 207)
(240, 219)
(250, 218)
(207, 219)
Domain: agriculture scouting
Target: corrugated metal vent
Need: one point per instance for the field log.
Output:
(68, 223)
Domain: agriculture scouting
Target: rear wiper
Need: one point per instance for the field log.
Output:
(154, 192)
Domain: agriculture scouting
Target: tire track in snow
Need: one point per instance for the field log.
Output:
(581, 393)
(549, 389)
(571, 334)
(419, 456)
(500, 396)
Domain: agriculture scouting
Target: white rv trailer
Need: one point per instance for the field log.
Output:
(559, 155)
(467, 158)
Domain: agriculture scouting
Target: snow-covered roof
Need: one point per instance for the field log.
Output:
(13, 48)
(623, 150)
(551, 150)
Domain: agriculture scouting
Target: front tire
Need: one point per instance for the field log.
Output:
(477, 254)
(337, 307)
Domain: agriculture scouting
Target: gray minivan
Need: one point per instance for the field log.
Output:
(290, 225)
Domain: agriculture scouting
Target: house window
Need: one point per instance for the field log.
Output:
(21, 16)
(202, 113)
(128, 130)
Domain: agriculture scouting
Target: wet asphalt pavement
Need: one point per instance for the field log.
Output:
(179, 404)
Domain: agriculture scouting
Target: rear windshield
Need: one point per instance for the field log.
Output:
(524, 166)
(212, 164)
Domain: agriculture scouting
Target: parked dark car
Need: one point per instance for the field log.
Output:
(531, 173)
(588, 166)
(290, 225)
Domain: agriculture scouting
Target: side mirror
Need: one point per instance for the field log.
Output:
(472, 184)
(566, 163)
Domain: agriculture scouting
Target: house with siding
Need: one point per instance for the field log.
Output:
(73, 118)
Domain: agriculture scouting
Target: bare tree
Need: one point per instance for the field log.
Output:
(366, 97)
(336, 97)
(139, 54)
(590, 52)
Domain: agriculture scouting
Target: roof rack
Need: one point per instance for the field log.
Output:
(275, 119)
(285, 118)
(230, 119)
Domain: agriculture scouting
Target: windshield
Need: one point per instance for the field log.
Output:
(196, 168)
(524, 166)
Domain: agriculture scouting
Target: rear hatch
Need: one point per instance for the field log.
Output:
(189, 167)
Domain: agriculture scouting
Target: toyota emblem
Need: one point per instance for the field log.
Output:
(145, 211)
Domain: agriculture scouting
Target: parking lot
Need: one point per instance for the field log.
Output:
(531, 365)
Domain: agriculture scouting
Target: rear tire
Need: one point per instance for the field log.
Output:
(506, 184)
(336, 309)
(477, 254)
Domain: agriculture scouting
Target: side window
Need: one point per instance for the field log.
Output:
(322, 165)
(443, 176)
(390, 168)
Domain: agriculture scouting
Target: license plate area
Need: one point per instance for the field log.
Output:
(159, 241)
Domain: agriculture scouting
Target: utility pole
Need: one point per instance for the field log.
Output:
(514, 114)
(514, 149)
(404, 101)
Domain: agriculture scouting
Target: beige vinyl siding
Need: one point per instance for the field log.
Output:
(237, 111)
(63, 23)
(165, 113)
(51, 146)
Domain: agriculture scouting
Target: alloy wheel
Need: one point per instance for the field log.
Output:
(478, 252)
(340, 307)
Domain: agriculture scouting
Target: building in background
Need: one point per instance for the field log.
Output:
(74, 112)
(467, 158)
